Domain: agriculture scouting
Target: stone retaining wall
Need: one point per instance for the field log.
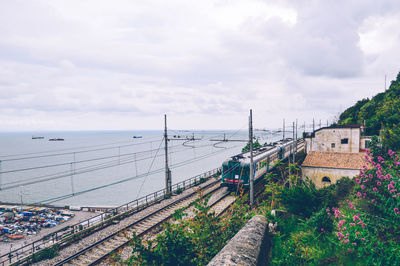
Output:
(250, 246)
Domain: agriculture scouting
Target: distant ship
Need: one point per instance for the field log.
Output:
(137, 137)
(57, 139)
(37, 137)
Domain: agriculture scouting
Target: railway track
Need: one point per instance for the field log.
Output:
(218, 205)
(101, 249)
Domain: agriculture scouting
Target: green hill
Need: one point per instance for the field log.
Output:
(380, 114)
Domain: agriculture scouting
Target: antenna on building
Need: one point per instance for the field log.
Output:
(385, 82)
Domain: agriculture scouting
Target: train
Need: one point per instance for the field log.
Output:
(236, 169)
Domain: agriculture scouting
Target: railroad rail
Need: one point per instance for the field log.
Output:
(98, 251)
(219, 206)
(70, 234)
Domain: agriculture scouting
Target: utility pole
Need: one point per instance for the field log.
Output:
(283, 129)
(293, 156)
(296, 143)
(0, 175)
(313, 125)
(167, 171)
(251, 158)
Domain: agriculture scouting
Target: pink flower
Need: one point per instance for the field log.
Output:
(396, 210)
(354, 244)
(359, 194)
(375, 189)
(373, 200)
(352, 224)
(362, 187)
(378, 183)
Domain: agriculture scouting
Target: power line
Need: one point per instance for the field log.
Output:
(69, 153)
(183, 163)
(84, 170)
(82, 161)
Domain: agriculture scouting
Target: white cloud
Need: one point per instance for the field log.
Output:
(102, 65)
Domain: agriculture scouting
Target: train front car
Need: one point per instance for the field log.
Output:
(235, 172)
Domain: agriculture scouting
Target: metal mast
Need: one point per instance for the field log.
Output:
(283, 129)
(293, 151)
(167, 171)
(251, 159)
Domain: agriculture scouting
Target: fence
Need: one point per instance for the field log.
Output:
(69, 234)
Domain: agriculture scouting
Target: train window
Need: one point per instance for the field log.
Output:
(344, 141)
(326, 179)
(332, 145)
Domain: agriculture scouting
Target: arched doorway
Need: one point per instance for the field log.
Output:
(326, 179)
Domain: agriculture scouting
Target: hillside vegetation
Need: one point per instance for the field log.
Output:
(381, 113)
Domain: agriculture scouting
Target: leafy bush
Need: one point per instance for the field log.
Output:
(300, 199)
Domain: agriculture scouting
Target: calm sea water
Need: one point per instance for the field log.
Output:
(112, 168)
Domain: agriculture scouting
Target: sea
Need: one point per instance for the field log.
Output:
(108, 168)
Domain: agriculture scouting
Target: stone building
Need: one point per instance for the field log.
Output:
(334, 152)
(347, 139)
(325, 168)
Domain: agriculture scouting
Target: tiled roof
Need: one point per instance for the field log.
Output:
(335, 160)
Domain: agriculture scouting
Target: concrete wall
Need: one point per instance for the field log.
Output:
(316, 174)
(250, 246)
(362, 142)
(329, 140)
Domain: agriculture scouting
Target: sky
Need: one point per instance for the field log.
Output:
(122, 65)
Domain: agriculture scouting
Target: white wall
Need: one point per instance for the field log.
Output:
(325, 138)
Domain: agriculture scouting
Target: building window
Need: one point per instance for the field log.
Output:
(326, 179)
(367, 144)
(344, 141)
(332, 145)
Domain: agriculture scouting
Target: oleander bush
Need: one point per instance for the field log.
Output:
(354, 222)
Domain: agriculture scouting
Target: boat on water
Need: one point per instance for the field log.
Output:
(37, 137)
(56, 139)
(137, 137)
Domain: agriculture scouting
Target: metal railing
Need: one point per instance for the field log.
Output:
(69, 234)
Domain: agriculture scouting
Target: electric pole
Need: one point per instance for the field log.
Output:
(296, 144)
(251, 159)
(293, 140)
(0, 176)
(167, 171)
(313, 125)
(283, 129)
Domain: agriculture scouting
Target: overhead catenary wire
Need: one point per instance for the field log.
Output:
(82, 170)
(180, 164)
(69, 153)
(81, 161)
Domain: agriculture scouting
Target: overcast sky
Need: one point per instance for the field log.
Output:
(120, 65)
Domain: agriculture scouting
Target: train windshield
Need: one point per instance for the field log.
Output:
(231, 171)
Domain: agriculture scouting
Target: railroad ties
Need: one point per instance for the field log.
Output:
(100, 250)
